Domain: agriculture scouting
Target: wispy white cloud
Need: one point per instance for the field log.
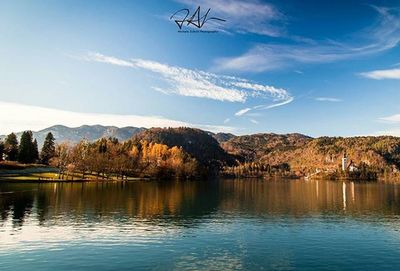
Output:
(250, 16)
(382, 74)
(242, 111)
(327, 99)
(201, 84)
(245, 111)
(383, 35)
(108, 59)
(391, 119)
(254, 121)
(260, 90)
(391, 132)
(18, 117)
(287, 101)
(183, 81)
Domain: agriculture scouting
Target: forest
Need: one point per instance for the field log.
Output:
(105, 158)
(190, 153)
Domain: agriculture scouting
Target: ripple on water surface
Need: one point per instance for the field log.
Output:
(221, 225)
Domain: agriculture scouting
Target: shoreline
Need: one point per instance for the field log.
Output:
(7, 180)
(37, 173)
(26, 179)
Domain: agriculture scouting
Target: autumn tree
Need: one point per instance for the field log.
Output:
(109, 158)
(80, 157)
(61, 159)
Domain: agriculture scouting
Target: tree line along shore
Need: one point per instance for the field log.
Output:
(188, 153)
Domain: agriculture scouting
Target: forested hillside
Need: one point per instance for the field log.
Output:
(305, 155)
(190, 152)
(195, 142)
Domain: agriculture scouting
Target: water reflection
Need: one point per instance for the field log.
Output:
(189, 201)
(300, 198)
(344, 196)
(219, 225)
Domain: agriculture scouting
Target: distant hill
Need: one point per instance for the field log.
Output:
(222, 137)
(89, 132)
(254, 147)
(198, 143)
(306, 154)
(301, 152)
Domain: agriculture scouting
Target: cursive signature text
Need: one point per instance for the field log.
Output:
(183, 17)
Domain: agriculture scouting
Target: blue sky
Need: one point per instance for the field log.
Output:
(272, 66)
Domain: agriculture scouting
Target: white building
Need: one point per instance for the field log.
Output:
(344, 162)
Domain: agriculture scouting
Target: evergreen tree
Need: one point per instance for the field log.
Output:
(11, 147)
(48, 149)
(35, 151)
(1, 150)
(26, 148)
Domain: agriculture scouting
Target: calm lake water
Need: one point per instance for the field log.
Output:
(218, 225)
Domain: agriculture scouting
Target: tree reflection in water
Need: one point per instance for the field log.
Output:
(187, 203)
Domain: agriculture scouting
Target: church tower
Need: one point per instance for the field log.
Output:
(344, 162)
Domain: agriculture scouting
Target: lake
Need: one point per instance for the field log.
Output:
(214, 225)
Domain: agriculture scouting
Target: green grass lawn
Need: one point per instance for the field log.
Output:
(44, 173)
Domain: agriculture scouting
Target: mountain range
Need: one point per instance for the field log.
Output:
(94, 132)
(90, 132)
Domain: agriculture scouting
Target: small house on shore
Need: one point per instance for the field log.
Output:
(346, 165)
